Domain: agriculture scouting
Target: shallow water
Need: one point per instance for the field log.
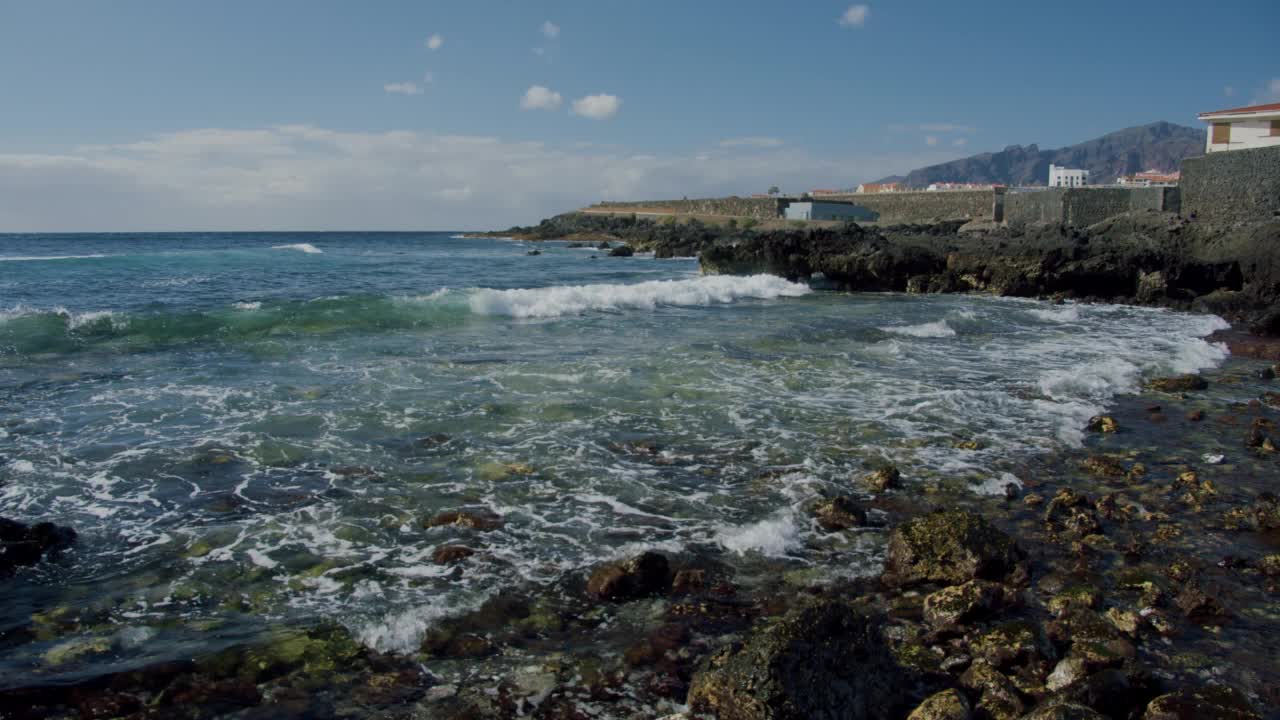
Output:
(247, 429)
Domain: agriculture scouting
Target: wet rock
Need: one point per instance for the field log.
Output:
(23, 545)
(1199, 604)
(689, 580)
(1126, 621)
(1211, 702)
(823, 660)
(1103, 466)
(482, 521)
(1116, 693)
(1071, 513)
(622, 251)
(883, 479)
(1077, 596)
(1062, 710)
(451, 554)
(1178, 384)
(1011, 644)
(646, 574)
(952, 547)
(1068, 671)
(998, 697)
(1103, 424)
(946, 705)
(1195, 415)
(1087, 635)
(961, 604)
(839, 513)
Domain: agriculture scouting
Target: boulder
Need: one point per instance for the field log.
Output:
(1178, 383)
(450, 554)
(952, 547)
(1059, 710)
(946, 705)
(482, 521)
(1015, 644)
(1211, 702)
(998, 697)
(960, 604)
(1103, 424)
(839, 513)
(622, 251)
(23, 545)
(648, 573)
(825, 659)
(883, 479)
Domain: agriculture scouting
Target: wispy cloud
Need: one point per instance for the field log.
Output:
(308, 177)
(403, 88)
(960, 142)
(1229, 91)
(538, 97)
(933, 127)
(931, 140)
(597, 107)
(1269, 94)
(751, 142)
(550, 30)
(855, 16)
(435, 41)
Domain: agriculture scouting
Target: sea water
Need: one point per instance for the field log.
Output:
(251, 429)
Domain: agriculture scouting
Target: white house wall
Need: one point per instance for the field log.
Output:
(1245, 134)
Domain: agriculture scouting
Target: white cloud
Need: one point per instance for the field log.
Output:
(933, 127)
(550, 30)
(1269, 94)
(855, 16)
(403, 88)
(752, 142)
(1229, 91)
(539, 51)
(960, 142)
(540, 98)
(435, 41)
(428, 77)
(307, 177)
(597, 107)
(930, 140)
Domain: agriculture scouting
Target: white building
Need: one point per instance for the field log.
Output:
(1242, 128)
(827, 210)
(1067, 177)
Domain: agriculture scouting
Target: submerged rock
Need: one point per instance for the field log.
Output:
(883, 479)
(1103, 424)
(824, 660)
(839, 513)
(24, 545)
(622, 251)
(450, 554)
(952, 547)
(466, 519)
(648, 573)
(1178, 383)
(1212, 702)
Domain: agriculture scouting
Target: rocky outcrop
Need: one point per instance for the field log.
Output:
(824, 660)
(952, 547)
(24, 545)
(648, 573)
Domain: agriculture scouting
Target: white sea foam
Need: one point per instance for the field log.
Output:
(997, 485)
(1064, 314)
(24, 467)
(569, 300)
(939, 329)
(774, 537)
(307, 248)
(247, 305)
(42, 258)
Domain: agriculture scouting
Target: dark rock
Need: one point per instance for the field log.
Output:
(622, 251)
(1103, 424)
(1199, 605)
(1071, 513)
(823, 660)
(839, 513)
(1195, 415)
(998, 697)
(960, 604)
(482, 521)
(1211, 702)
(1116, 693)
(1178, 384)
(883, 479)
(640, 576)
(24, 545)
(1011, 644)
(952, 547)
(946, 705)
(450, 554)
(1104, 466)
(689, 580)
(1061, 710)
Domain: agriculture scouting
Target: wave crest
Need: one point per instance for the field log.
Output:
(577, 299)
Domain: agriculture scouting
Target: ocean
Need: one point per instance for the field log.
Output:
(252, 430)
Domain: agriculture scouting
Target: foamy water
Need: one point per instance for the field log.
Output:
(265, 444)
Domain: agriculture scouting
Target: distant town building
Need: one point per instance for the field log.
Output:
(1242, 128)
(1067, 177)
(1149, 178)
(944, 186)
(820, 210)
(879, 187)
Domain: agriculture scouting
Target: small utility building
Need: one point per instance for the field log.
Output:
(827, 210)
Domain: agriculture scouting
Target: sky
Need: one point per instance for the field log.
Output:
(333, 115)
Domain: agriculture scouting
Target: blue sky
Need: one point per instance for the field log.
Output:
(316, 115)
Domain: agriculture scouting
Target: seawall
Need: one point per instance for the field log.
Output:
(1232, 186)
(1081, 207)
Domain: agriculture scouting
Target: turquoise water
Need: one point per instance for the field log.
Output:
(249, 429)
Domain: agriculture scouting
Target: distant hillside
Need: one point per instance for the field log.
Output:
(1159, 146)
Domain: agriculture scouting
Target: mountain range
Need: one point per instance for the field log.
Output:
(1157, 146)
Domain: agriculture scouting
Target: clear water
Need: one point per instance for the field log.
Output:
(250, 428)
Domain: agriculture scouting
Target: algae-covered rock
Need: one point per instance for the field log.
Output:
(1104, 466)
(839, 513)
(1071, 513)
(1178, 383)
(823, 660)
(960, 604)
(946, 705)
(1103, 424)
(883, 479)
(1081, 596)
(648, 573)
(1211, 702)
(1061, 710)
(483, 521)
(952, 547)
(998, 697)
(1011, 644)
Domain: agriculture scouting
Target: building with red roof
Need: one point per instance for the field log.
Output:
(1242, 128)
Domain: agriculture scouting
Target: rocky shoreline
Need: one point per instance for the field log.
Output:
(1126, 579)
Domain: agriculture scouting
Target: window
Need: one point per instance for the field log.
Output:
(1221, 133)
(1275, 128)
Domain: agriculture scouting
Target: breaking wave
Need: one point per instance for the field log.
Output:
(572, 300)
(307, 248)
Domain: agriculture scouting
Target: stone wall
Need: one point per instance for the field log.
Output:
(1232, 186)
(759, 208)
(912, 207)
(1085, 206)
